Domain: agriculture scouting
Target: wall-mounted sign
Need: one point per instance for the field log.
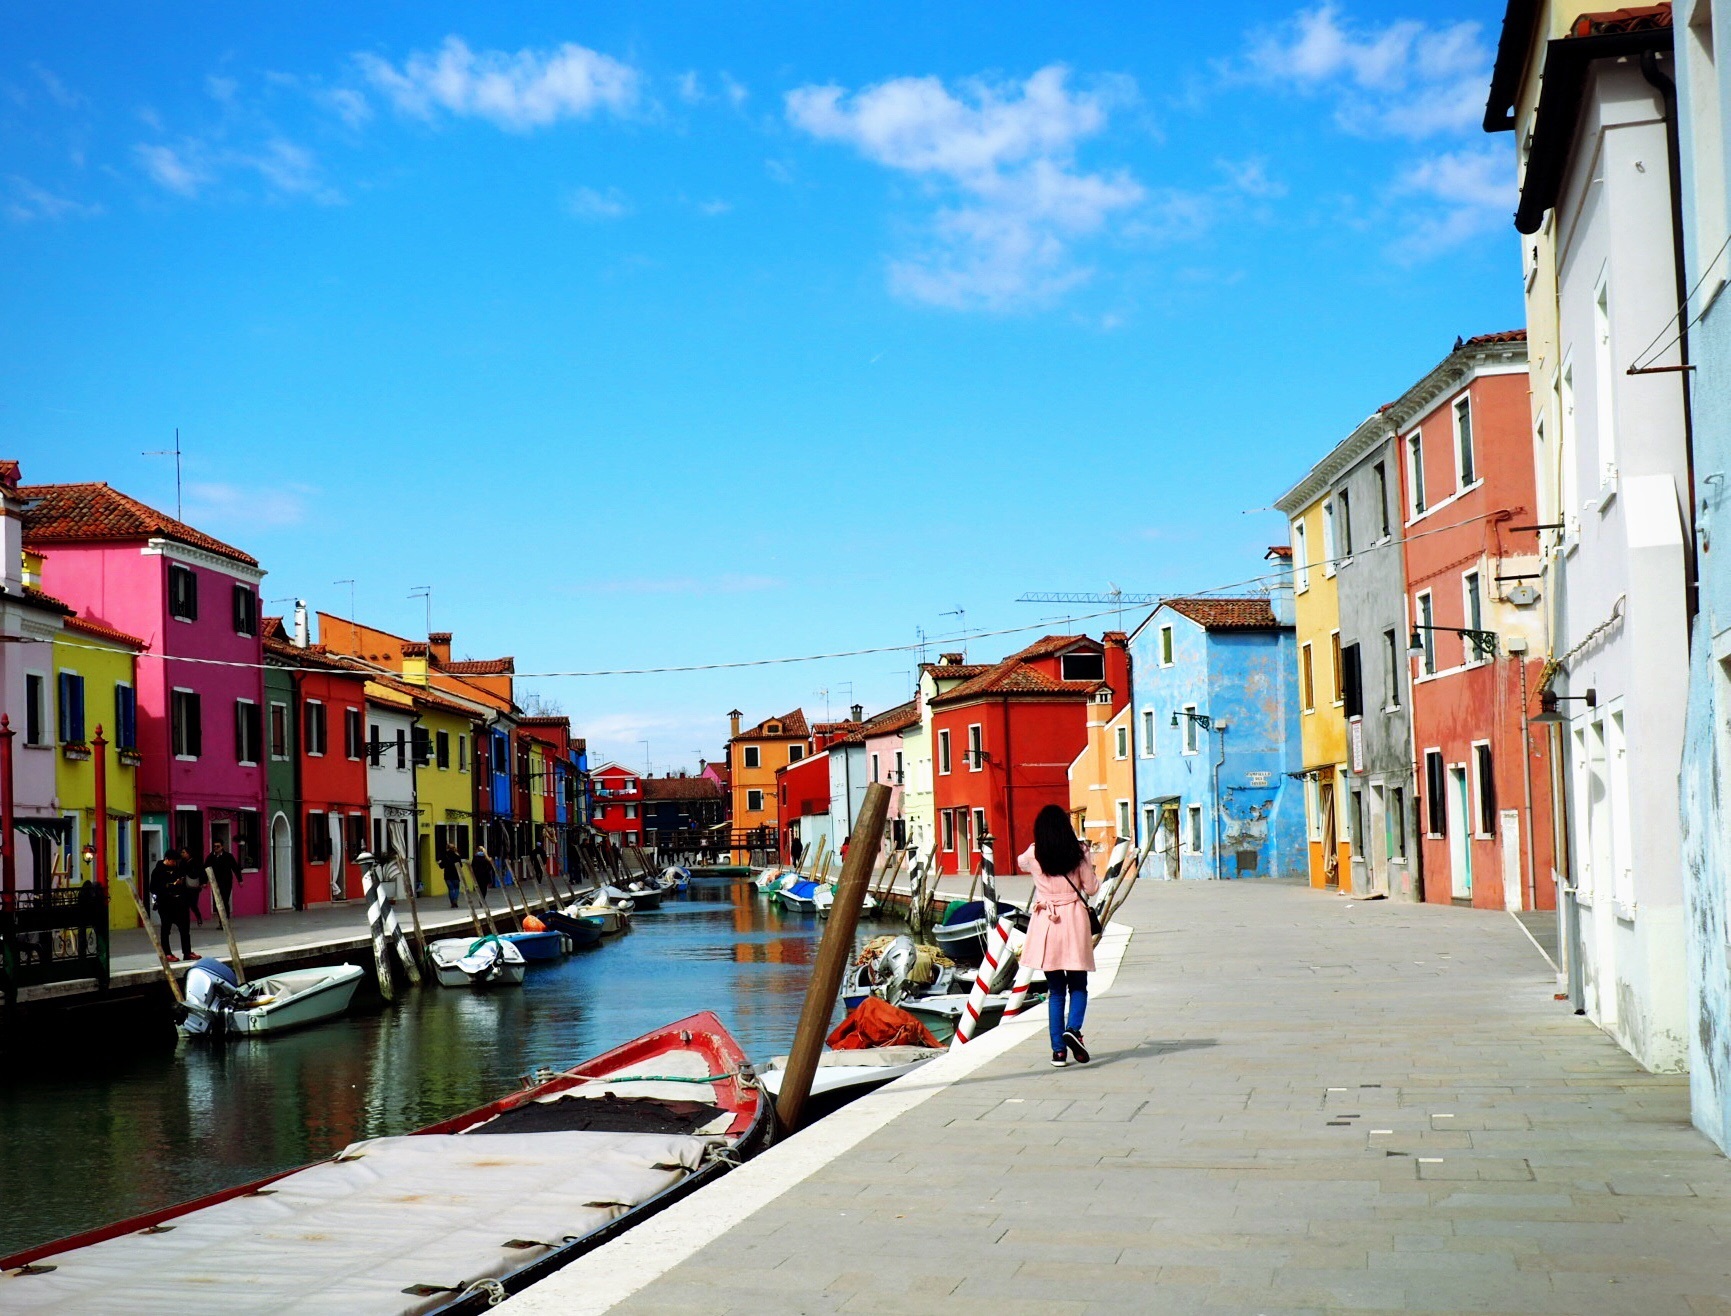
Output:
(1258, 778)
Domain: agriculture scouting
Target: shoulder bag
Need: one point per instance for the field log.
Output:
(1094, 926)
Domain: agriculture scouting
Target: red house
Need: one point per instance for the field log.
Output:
(618, 803)
(1483, 779)
(801, 792)
(1003, 742)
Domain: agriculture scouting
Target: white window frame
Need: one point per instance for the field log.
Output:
(749, 806)
(1604, 380)
(1394, 671)
(44, 719)
(1475, 824)
(874, 776)
(1312, 808)
(1121, 742)
(1150, 725)
(1300, 556)
(947, 829)
(795, 752)
(1336, 671)
(978, 829)
(944, 759)
(1307, 669)
(1191, 741)
(751, 756)
(1193, 837)
(277, 706)
(1469, 651)
(1568, 450)
(262, 750)
(1168, 647)
(173, 749)
(1466, 453)
(1424, 615)
(1329, 539)
(1126, 821)
(976, 754)
(1417, 495)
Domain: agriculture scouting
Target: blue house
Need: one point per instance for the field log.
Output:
(1217, 752)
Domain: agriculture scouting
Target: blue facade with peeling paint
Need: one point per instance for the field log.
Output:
(1218, 798)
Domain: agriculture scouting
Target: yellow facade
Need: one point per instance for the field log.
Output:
(539, 767)
(1103, 781)
(106, 665)
(444, 785)
(1322, 701)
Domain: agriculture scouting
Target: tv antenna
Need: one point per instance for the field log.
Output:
(425, 592)
(173, 452)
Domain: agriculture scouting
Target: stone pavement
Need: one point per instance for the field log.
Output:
(1297, 1104)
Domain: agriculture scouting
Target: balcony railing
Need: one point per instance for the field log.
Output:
(53, 936)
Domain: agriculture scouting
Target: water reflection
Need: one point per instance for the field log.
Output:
(75, 1153)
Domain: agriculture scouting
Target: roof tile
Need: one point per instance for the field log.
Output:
(87, 513)
(1235, 614)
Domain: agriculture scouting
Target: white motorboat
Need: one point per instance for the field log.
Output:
(294, 998)
(843, 1075)
(489, 962)
(824, 897)
(615, 918)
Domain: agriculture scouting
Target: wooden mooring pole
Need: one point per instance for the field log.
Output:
(833, 954)
(227, 928)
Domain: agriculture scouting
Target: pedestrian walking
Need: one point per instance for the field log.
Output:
(222, 867)
(796, 849)
(449, 863)
(169, 895)
(192, 879)
(483, 870)
(1060, 928)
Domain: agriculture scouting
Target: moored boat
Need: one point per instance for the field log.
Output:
(799, 894)
(844, 1075)
(294, 998)
(536, 946)
(558, 1170)
(962, 934)
(578, 929)
(489, 962)
(613, 918)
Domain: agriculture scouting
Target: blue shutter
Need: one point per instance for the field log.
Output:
(64, 708)
(125, 717)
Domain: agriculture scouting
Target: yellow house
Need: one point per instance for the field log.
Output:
(1321, 693)
(95, 687)
(1103, 782)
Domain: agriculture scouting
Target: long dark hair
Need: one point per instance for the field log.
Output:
(1056, 848)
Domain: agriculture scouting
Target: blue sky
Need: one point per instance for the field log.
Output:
(659, 335)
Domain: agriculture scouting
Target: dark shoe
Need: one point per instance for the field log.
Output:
(1073, 1040)
(1059, 1060)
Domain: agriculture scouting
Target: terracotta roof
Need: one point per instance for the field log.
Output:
(1641, 18)
(1281, 551)
(1048, 646)
(479, 666)
(835, 728)
(793, 727)
(9, 474)
(419, 693)
(1253, 614)
(101, 632)
(272, 628)
(544, 720)
(416, 649)
(1505, 336)
(1014, 677)
(440, 637)
(955, 671)
(314, 655)
(681, 788)
(87, 513)
(41, 600)
(899, 718)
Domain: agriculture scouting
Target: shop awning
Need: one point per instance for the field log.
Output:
(57, 830)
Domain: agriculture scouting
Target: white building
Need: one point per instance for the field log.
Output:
(391, 774)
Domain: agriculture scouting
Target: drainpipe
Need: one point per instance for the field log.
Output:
(1219, 806)
(1527, 789)
(1667, 89)
(1009, 787)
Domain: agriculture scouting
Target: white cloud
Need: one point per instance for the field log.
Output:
(587, 203)
(1466, 194)
(292, 170)
(1251, 178)
(221, 90)
(253, 506)
(735, 91)
(24, 201)
(175, 170)
(1405, 79)
(347, 104)
(518, 92)
(715, 207)
(690, 87)
(57, 90)
(693, 91)
(1004, 154)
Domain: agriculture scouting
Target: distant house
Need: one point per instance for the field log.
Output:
(754, 756)
(681, 814)
(1103, 777)
(884, 747)
(1216, 742)
(919, 800)
(618, 792)
(803, 804)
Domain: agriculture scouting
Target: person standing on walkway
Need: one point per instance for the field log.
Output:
(1060, 939)
(482, 867)
(225, 871)
(449, 863)
(168, 893)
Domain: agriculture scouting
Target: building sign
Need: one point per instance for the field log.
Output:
(1358, 744)
(1262, 779)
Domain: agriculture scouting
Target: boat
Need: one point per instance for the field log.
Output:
(769, 881)
(216, 1003)
(490, 962)
(578, 929)
(844, 1075)
(638, 896)
(537, 946)
(824, 898)
(799, 894)
(468, 1211)
(676, 875)
(962, 934)
(613, 918)
(940, 1013)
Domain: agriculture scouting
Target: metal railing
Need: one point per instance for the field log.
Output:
(53, 936)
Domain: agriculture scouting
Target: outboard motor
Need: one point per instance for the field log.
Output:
(213, 992)
(895, 967)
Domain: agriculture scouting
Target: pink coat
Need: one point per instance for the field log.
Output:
(1058, 936)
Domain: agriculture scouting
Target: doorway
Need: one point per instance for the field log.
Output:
(1330, 833)
(1375, 841)
(282, 858)
(339, 860)
(149, 849)
(1460, 840)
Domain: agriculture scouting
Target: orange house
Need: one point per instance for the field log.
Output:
(753, 756)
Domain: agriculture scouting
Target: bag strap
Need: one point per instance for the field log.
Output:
(1076, 889)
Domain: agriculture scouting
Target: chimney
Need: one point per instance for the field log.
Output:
(858, 712)
(300, 637)
(440, 643)
(1118, 667)
(733, 721)
(951, 659)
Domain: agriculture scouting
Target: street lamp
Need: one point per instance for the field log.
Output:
(1200, 719)
(1484, 642)
(1548, 715)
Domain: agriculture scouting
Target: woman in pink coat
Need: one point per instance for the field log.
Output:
(1059, 941)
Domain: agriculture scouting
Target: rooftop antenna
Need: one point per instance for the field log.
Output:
(648, 767)
(920, 632)
(173, 452)
(425, 592)
(962, 613)
(354, 629)
(823, 693)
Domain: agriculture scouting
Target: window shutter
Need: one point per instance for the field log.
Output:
(194, 726)
(63, 724)
(238, 607)
(239, 732)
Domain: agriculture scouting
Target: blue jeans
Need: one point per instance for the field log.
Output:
(1062, 983)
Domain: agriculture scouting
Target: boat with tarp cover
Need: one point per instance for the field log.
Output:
(450, 1219)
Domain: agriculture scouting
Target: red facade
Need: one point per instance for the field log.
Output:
(1476, 766)
(801, 790)
(1003, 742)
(331, 709)
(618, 807)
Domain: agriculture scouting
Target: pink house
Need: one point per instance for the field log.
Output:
(885, 759)
(189, 596)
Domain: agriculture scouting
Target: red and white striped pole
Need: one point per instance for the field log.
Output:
(997, 949)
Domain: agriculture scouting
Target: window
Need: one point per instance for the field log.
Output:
(318, 843)
(1396, 823)
(71, 708)
(1148, 733)
(631, 811)
(123, 848)
(248, 732)
(1344, 523)
(753, 757)
(1351, 681)
(1338, 673)
(1150, 820)
(1426, 636)
(442, 751)
(1193, 829)
(1486, 784)
(875, 776)
(1328, 539)
(1312, 807)
(353, 742)
(246, 839)
(501, 755)
(35, 707)
(355, 834)
(1191, 744)
(125, 717)
(182, 592)
(245, 608)
(1604, 413)
(1122, 748)
(1466, 465)
(1472, 596)
(1568, 451)
(630, 838)
(979, 828)
(773, 728)
(187, 719)
(375, 745)
(1355, 829)
(754, 801)
(1082, 667)
(976, 748)
(279, 731)
(1379, 473)
(1415, 472)
(795, 752)
(1166, 646)
(1300, 557)
(1435, 794)
(1124, 823)
(189, 831)
(421, 745)
(1391, 668)
(947, 822)
(462, 753)
(1307, 678)
(1617, 772)
(313, 728)
(944, 751)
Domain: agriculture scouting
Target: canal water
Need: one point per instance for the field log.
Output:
(81, 1151)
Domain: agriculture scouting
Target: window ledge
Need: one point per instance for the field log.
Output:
(186, 758)
(1625, 910)
(41, 745)
(1601, 502)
